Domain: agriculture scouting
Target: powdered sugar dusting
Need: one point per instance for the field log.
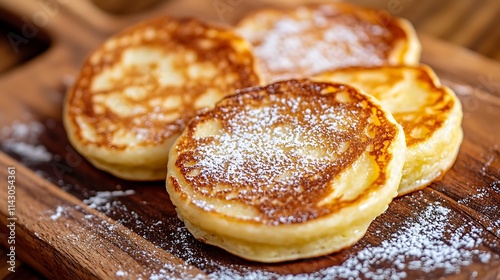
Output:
(120, 273)
(101, 200)
(418, 245)
(302, 43)
(22, 139)
(256, 138)
(483, 200)
(287, 142)
(58, 213)
(151, 260)
(490, 159)
(426, 244)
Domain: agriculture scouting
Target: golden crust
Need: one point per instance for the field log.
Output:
(429, 113)
(307, 40)
(270, 171)
(136, 92)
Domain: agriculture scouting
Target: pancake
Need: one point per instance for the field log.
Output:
(307, 40)
(291, 170)
(430, 114)
(136, 92)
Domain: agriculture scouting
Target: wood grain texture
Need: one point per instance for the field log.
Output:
(468, 23)
(139, 235)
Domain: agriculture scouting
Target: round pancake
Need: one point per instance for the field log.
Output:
(307, 40)
(430, 114)
(136, 92)
(291, 170)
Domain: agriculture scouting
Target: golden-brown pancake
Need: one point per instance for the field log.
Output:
(430, 114)
(136, 92)
(307, 40)
(291, 170)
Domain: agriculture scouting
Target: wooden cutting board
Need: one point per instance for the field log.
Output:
(73, 221)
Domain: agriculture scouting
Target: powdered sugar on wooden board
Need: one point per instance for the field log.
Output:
(483, 200)
(101, 200)
(22, 139)
(58, 213)
(151, 261)
(426, 242)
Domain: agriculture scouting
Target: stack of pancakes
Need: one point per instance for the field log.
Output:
(281, 139)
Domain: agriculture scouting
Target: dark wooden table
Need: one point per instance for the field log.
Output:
(471, 24)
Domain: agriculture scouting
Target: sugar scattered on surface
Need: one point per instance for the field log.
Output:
(423, 244)
(461, 89)
(101, 200)
(487, 164)
(491, 208)
(59, 211)
(36, 153)
(22, 139)
(417, 245)
(23, 131)
(120, 273)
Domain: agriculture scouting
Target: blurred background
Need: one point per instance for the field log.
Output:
(473, 24)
